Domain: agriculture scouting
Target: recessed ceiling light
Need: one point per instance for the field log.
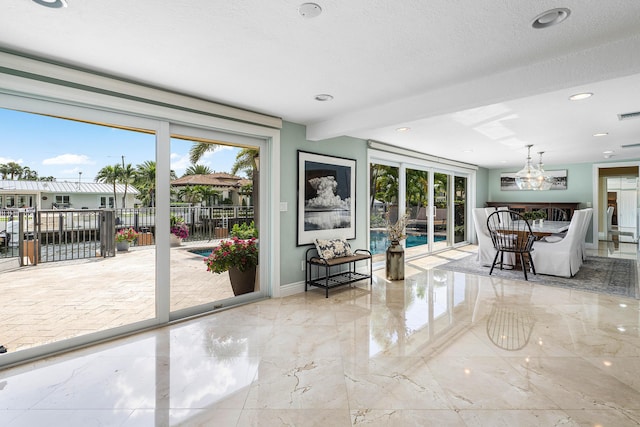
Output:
(608, 152)
(580, 96)
(550, 18)
(601, 134)
(323, 97)
(403, 129)
(52, 3)
(309, 10)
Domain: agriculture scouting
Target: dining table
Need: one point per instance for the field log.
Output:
(548, 228)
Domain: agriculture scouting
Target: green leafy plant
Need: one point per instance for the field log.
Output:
(126, 235)
(238, 253)
(244, 231)
(533, 215)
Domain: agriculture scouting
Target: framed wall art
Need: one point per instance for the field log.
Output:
(326, 197)
(559, 180)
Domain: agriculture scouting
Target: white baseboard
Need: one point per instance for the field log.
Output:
(291, 289)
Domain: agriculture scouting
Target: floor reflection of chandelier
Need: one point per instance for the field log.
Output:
(530, 177)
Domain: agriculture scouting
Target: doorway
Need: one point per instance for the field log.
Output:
(616, 187)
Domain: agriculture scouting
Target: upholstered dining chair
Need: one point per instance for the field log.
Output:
(511, 234)
(585, 228)
(486, 251)
(562, 258)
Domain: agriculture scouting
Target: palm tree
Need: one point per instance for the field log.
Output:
(246, 161)
(29, 174)
(127, 175)
(145, 181)
(4, 170)
(199, 149)
(198, 170)
(15, 170)
(110, 175)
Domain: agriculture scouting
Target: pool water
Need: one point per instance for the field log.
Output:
(378, 242)
(202, 252)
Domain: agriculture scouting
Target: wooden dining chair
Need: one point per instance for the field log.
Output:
(557, 214)
(511, 234)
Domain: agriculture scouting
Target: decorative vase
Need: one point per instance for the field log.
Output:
(122, 246)
(242, 282)
(395, 261)
(174, 240)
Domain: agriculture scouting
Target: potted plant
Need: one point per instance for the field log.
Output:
(540, 215)
(239, 257)
(179, 230)
(124, 238)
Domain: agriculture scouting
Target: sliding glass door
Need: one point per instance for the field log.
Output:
(460, 209)
(383, 205)
(435, 200)
(214, 209)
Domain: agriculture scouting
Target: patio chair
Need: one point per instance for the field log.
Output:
(511, 234)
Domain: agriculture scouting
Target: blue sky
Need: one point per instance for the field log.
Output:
(64, 148)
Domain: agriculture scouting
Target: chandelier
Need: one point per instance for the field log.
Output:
(546, 181)
(529, 177)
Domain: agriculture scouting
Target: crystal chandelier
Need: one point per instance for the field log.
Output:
(529, 177)
(546, 181)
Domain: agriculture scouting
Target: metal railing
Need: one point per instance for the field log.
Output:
(51, 235)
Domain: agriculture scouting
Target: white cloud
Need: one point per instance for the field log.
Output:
(69, 159)
(179, 162)
(9, 160)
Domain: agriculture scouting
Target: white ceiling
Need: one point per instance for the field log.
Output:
(471, 78)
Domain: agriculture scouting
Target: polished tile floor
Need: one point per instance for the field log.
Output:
(439, 348)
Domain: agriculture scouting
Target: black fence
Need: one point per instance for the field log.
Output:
(58, 235)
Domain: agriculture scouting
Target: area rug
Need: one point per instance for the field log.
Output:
(613, 276)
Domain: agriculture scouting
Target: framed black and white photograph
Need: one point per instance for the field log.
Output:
(326, 197)
(559, 180)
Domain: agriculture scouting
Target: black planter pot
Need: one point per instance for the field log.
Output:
(242, 282)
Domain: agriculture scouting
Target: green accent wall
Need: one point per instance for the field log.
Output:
(579, 187)
(482, 187)
(292, 139)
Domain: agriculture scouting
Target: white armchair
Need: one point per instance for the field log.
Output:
(486, 251)
(585, 228)
(562, 258)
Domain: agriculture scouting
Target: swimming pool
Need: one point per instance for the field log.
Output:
(201, 251)
(378, 242)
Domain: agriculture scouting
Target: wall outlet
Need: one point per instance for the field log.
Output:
(302, 265)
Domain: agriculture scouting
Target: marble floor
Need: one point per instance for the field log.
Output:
(439, 348)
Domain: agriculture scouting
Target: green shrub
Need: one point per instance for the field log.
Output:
(244, 231)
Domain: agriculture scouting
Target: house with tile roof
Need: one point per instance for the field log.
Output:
(230, 187)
